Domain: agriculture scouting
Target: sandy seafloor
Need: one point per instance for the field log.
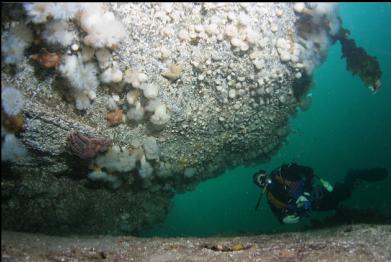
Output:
(344, 243)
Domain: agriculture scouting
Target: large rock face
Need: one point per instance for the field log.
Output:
(228, 77)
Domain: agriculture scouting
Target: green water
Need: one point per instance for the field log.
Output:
(346, 126)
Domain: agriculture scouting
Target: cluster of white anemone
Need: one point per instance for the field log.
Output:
(103, 30)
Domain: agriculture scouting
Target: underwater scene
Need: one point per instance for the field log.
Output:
(196, 131)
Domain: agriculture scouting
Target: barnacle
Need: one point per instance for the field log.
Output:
(46, 59)
(13, 123)
(86, 147)
(115, 117)
(173, 73)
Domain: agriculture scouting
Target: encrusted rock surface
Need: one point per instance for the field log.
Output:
(344, 243)
(226, 74)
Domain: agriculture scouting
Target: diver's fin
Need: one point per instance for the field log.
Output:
(371, 175)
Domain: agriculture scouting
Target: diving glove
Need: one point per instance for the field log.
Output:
(326, 185)
(303, 202)
(291, 219)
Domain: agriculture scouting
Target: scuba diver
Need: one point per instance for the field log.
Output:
(291, 195)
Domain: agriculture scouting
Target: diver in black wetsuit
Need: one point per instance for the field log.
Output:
(291, 194)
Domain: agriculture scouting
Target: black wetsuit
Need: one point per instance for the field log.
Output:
(291, 181)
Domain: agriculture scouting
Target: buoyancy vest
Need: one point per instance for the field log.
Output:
(293, 189)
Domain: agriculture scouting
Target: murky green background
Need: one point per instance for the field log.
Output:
(346, 127)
